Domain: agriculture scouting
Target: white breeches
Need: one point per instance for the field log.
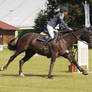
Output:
(51, 31)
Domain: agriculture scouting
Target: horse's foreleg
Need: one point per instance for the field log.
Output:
(51, 67)
(22, 61)
(72, 60)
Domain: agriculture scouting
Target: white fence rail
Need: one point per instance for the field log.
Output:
(83, 54)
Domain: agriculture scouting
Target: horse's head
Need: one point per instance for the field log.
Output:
(87, 32)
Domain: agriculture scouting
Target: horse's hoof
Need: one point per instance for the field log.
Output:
(1, 69)
(21, 74)
(85, 72)
(51, 77)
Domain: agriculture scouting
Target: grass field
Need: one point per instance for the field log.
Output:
(36, 80)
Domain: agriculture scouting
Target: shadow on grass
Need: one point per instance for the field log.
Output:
(46, 76)
(26, 75)
(11, 75)
(39, 75)
(36, 75)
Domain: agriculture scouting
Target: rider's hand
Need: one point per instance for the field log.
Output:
(70, 29)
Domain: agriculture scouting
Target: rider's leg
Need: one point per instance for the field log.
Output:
(46, 42)
(51, 33)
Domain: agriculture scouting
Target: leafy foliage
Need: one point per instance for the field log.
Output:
(22, 32)
(40, 22)
(74, 19)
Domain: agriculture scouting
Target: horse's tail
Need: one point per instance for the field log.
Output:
(12, 47)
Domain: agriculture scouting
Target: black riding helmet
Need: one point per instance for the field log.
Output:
(64, 8)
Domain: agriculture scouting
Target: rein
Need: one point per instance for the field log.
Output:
(75, 36)
(69, 32)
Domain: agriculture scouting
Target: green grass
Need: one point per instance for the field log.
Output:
(36, 80)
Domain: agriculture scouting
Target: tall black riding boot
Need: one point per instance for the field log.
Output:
(46, 42)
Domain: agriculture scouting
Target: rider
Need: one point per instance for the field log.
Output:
(53, 22)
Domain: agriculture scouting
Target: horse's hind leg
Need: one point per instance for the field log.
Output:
(28, 55)
(10, 60)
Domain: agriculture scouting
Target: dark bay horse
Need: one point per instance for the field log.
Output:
(61, 47)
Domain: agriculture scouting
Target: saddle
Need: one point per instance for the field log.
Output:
(43, 37)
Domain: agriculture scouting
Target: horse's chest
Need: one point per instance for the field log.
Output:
(62, 47)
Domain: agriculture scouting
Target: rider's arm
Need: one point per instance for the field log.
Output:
(64, 24)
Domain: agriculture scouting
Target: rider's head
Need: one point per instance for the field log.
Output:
(64, 10)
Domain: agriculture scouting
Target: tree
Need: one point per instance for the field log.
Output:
(74, 19)
(51, 8)
(45, 15)
(40, 22)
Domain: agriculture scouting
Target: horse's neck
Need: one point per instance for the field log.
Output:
(71, 39)
(70, 36)
(79, 33)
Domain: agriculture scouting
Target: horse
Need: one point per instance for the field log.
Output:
(61, 47)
